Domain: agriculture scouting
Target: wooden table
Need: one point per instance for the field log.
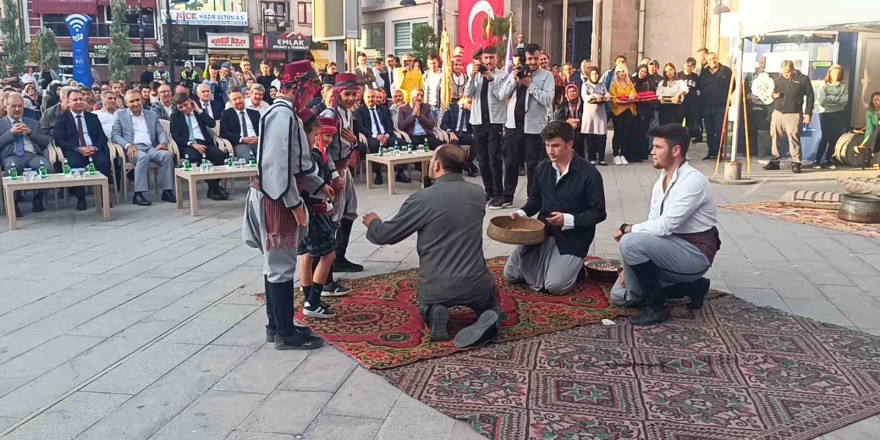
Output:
(98, 181)
(391, 161)
(195, 176)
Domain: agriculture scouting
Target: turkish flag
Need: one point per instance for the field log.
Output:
(472, 16)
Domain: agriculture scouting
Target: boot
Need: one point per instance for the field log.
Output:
(38, 202)
(697, 294)
(343, 234)
(655, 309)
(282, 308)
(270, 327)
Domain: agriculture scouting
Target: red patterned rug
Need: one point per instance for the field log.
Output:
(822, 218)
(379, 323)
(731, 371)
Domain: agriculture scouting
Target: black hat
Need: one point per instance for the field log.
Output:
(478, 53)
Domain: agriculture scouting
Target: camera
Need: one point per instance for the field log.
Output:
(482, 69)
(522, 70)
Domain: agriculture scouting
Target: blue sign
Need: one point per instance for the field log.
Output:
(78, 25)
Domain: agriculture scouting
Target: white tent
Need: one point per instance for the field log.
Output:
(761, 17)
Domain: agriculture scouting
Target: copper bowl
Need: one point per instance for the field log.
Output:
(522, 231)
(603, 271)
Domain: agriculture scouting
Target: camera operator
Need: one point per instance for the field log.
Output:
(531, 91)
(488, 115)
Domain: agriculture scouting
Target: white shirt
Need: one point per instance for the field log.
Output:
(376, 122)
(28, 145)
(673, 89)
(141, 132)
(687, 206)
(168, 109)
(207, 108)
(248, 124)
(107, 121)
(380, 83)
(263, 108)
(85, 127)
(194, 124)
(433, 82)
(567, 219)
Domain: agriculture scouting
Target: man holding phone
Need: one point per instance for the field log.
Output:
(792, 88)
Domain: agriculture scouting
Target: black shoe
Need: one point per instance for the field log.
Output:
(168, 196)
(439, 320)
(38, 202)
(495, 203)
(140, 200)
(506, 202)
(270, 335)
(343, 265)
(18, 213)
(472, 171)
(697, 294)
(402, 178)
(773, 165)
(484, 330)
(378, 180)
(711, 157)
(81, 203)
(335, 288)
(301, 340)
(796, 168)
(221, 192)
(213, 194)
(649, 316)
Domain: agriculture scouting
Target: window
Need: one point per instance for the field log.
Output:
(304, 13)
(373, 37)
(275, 16)
(403, 36)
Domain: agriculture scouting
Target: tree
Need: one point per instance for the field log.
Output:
(49, 47)
(15, 56)
(33, 51)
(119, 51)
(424, 42)
(500, 27)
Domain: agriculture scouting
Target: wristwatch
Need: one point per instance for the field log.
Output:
(623, 228)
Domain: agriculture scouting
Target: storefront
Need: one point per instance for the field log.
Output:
(228, 47)
(281, 47)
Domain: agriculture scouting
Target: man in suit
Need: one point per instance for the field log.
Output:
(210, 107)
(22, 144)
(483, 88)
(417, 120)
(530, 94)
(47, 121)
(389, 75)
(240, 126)
(165, 107)
(374, 122)
(455, 122)
(145, 142)
(189, 129)
(79, 134)
(366, 79)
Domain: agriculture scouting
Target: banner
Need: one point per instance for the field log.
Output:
(78, 25)
(472, 21)
(229, 41)
(206, 18)
(287, 42)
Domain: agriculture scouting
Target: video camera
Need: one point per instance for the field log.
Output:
(522, 70)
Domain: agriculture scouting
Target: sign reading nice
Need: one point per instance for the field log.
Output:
(78, 25)
(472, 21)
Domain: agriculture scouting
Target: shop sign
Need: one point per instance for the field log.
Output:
(206, 18)
(287, 41)
(229, 41)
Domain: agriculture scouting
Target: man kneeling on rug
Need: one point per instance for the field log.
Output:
(448, 217)
(569, 198)
(667, 255)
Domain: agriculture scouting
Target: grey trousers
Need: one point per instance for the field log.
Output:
(786, 124)
(148, 154)
(29, 160)
(279, 265)
(346, 204)
(542, 267)
(678, 261)
(243, 151)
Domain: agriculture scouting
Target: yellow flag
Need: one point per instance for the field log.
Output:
(446, 59)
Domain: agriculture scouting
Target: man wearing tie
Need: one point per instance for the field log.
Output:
(145, 142)
(79, 134)
(21, 143)
(240, 126)
(456, 123)
(189, 129)
(212, 108)
(374, 122)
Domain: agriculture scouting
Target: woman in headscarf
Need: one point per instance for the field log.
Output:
(594, 121)
(570, 111)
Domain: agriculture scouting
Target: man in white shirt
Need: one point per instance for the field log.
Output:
(433, 85)
(255, 101)
(107, 114)
(145, 142)
(165, 106)
(667, 255)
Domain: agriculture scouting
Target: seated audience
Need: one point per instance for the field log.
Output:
(79, 135)
(240, 126)
(22, 144)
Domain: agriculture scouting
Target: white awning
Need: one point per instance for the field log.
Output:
(762, 17)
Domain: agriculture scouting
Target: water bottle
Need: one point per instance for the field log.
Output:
(187, 165)
(44, 173)
(381, 150)
(91, 166)
(425, 147)
(230, 162)
(409, 148)
(13, 171)
(65, 167)
(253, 160)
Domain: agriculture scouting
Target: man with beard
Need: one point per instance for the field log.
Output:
(667, 255)
(488, 115)
(274, 214)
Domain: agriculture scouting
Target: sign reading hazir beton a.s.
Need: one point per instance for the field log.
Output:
(229, 41)
(207, 18)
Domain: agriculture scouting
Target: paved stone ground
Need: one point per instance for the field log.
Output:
(144, 327)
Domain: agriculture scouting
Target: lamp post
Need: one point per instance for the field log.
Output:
(139, 12)
(169, 44)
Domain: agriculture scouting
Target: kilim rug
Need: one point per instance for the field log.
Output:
(822, 218)
(379, 323)
(728, 372)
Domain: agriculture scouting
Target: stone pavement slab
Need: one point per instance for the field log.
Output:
(305, 405)
(70, 417)
(213, 416)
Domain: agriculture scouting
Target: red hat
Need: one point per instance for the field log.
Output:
(346, 81)
(306, 115)
(297, 68)
(328, 125)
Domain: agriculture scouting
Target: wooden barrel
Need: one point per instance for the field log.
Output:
(844, 152)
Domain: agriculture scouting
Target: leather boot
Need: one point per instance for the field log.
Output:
(655, 309)
(270, 327)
